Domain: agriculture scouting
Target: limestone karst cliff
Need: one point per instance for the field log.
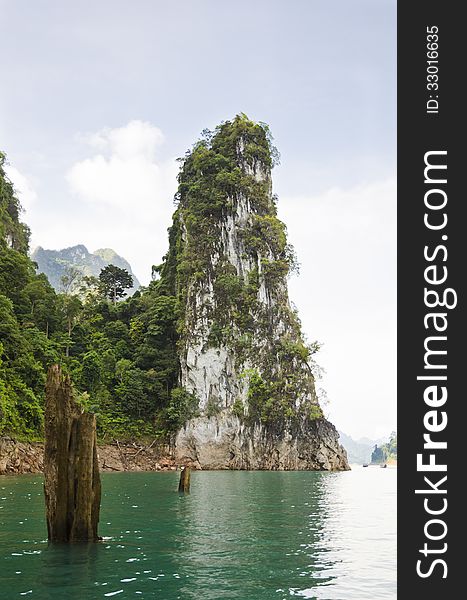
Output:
(241, 350)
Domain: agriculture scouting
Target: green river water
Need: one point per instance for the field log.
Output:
(240, 535)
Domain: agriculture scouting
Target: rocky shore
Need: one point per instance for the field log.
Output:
(218, 443)
(28, 457)
(224, 442)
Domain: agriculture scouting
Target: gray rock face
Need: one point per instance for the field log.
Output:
(242, 353)
(216, 376)
(223, 442)
(212, 373)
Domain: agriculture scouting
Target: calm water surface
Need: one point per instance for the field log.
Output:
(241, 535)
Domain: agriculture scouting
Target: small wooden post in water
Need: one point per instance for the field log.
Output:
(184, 485)
(72, 483)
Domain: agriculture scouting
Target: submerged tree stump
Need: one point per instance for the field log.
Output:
(184, 485)
(72, 484)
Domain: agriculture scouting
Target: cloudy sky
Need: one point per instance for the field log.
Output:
(99, 98)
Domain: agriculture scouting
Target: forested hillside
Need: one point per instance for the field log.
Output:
(31, 333)
(121, 355)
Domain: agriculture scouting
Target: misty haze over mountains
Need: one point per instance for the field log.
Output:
(359, 452)
(54, 263)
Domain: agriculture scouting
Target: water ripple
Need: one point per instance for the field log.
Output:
(238, 535)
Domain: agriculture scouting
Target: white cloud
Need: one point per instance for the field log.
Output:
(126, 186)
(346, 295)
(126, 173)
(23, 187)
(138, 138)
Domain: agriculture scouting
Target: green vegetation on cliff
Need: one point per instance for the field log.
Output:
(385, 452)
(226, 178)
(123, 356)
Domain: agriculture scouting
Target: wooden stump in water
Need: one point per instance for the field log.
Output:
(72, 482)
(184, 485)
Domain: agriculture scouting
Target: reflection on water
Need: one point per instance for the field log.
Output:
(242, 535)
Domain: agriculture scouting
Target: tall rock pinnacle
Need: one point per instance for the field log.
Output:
(241, 350)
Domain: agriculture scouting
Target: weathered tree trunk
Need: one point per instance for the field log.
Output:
(72, 482)
(184, 485)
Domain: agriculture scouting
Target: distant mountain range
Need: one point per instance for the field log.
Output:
(359, 452)
(54, 263)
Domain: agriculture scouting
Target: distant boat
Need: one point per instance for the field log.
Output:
(365, 464)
